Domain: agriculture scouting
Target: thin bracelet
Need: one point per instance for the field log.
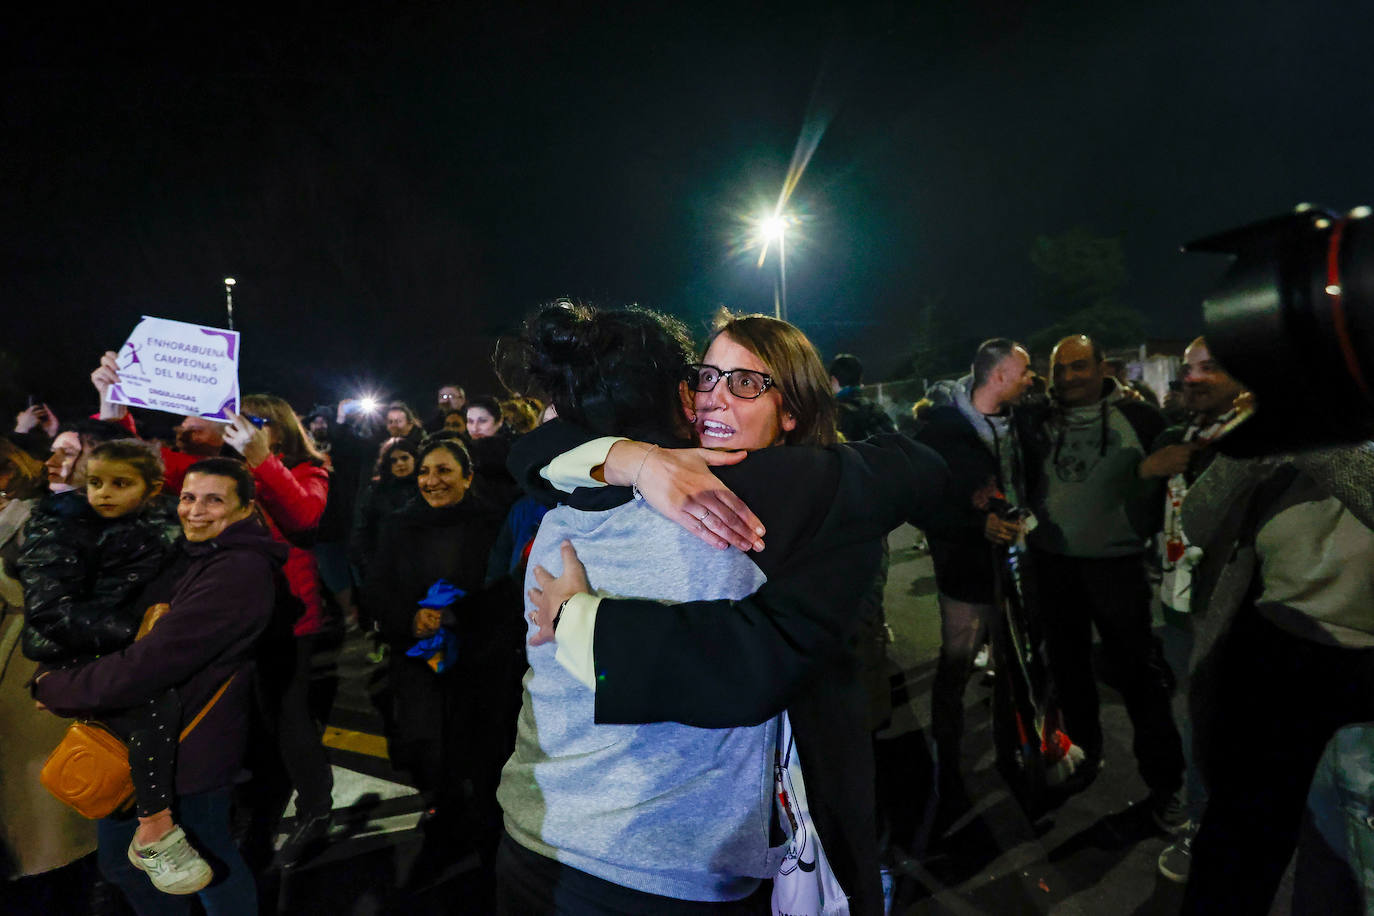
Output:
(634, 484)
(559, 616)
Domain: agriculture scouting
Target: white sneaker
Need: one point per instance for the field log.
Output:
(172, 863)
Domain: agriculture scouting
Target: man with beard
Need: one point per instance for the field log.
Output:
(1097, 508)
(979, 437)
(1211, 397)
(1182, 453)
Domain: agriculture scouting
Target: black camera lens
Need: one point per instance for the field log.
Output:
(1293, 319)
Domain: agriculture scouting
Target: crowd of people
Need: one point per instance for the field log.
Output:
(633, 630)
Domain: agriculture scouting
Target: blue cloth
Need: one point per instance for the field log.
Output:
(442, 594)
(440, 650)
(205, 818)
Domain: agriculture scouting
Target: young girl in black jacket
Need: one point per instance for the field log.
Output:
(86, 557)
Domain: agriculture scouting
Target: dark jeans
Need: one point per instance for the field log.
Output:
(528, 884)
(1112, 594)
(1279, 700)
(205, 818)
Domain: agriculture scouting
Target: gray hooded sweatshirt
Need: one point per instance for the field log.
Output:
(1091, 502)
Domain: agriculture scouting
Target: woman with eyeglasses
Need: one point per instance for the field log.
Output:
(730, 665)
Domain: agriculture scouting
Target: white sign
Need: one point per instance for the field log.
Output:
(180, 368)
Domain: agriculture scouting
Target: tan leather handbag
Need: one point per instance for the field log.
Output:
(89, 768)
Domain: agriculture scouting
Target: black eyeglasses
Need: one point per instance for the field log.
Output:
(743, 383)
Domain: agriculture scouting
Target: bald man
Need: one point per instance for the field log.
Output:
(1096, 513)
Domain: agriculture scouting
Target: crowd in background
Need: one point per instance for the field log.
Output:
(1080, 498)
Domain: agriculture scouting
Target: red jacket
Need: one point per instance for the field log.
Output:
(293, 501)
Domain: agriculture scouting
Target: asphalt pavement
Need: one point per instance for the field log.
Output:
(1093, 854)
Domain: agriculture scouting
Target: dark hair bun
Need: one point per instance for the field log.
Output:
(610, 371)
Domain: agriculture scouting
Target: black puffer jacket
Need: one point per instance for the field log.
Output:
(80, 574)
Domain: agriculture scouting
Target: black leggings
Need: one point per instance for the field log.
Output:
(151, 731)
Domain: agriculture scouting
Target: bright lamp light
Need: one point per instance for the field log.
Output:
(772, 228)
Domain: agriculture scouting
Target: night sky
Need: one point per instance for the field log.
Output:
(393, 190)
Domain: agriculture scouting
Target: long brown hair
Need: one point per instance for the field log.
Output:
(796, 368)
(296, 445)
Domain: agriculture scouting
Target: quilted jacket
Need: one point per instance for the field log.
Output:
(80, 574)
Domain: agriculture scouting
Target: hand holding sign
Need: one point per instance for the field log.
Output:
(177, 367)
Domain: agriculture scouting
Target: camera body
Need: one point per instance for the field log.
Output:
(1293, 319)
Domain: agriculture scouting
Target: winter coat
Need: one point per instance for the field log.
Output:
(384, 497)
(221, 594)
(37, 832)
(963, 559)
(293, 501)
(489, 457)
(350, 461)
(80, 574)
(420, 545)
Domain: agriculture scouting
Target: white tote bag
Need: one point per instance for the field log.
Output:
(804, 884)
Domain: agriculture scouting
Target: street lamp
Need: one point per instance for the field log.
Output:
(229, 299)
(773, 230)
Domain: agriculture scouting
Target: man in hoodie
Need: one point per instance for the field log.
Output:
(977, 435)
(1097, 508)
